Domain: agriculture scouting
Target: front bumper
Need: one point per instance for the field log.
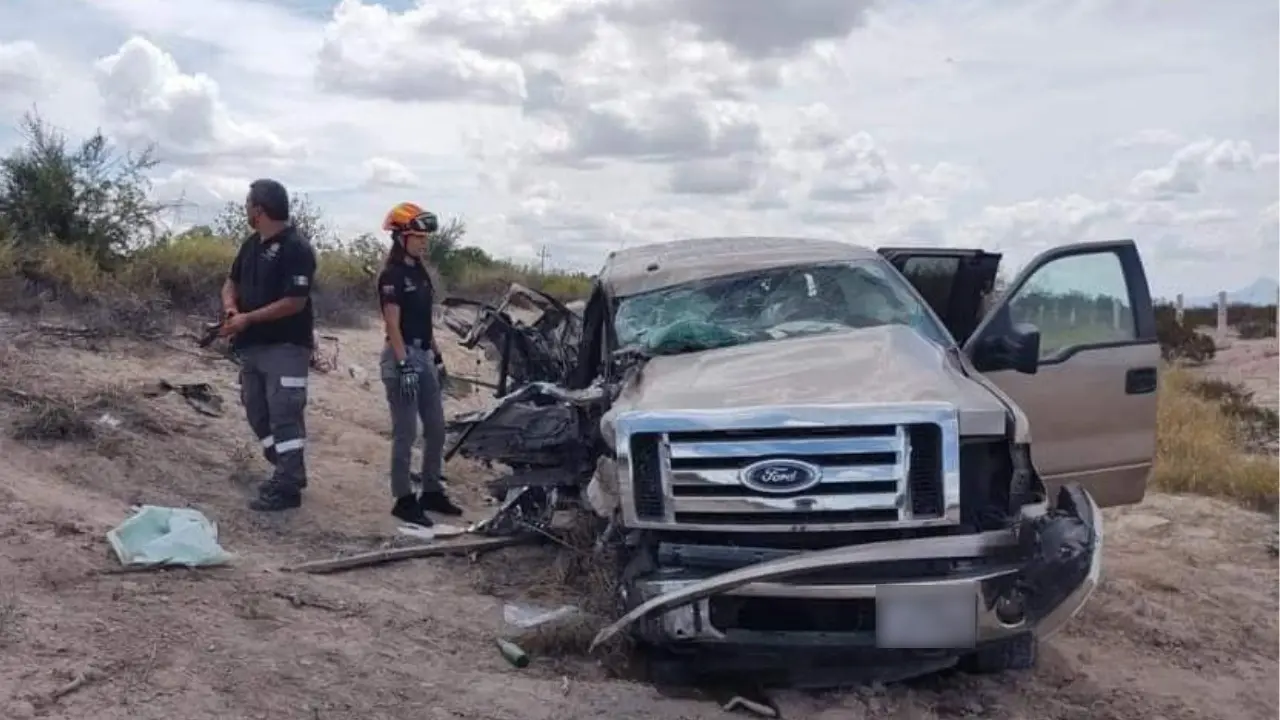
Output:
(1032, 581)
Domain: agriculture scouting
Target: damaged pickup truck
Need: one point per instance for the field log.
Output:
(822, 463)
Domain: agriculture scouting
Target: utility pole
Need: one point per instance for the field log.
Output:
(542, 260)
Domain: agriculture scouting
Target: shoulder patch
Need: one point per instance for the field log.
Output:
(301, 281)
(389, 290)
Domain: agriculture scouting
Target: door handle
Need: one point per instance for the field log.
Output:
(1140, 381)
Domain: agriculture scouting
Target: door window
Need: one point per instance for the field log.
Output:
(933, 278)
(1076, 300)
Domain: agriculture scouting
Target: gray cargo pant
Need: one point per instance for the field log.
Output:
(273, 389)
(405, 413)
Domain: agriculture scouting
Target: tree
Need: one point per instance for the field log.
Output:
(231, 222)
(90, 197)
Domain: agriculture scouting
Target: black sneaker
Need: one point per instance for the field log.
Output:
(408, 510)
(438, 502)
(274, 499)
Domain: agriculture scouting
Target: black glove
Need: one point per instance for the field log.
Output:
(441, 374)
(408, 378)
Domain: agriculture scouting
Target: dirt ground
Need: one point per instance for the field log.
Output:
(1184, 625)
(1252, 363)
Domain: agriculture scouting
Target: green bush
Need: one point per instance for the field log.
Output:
(1180, 341)
(78, 226)
(1256, 329)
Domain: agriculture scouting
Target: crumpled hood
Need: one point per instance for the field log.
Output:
(885, 364)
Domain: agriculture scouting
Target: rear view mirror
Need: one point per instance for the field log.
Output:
(1019, 350)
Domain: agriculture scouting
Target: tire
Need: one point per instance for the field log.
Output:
(1017, 653)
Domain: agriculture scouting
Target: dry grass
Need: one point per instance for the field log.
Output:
(1199, 443)
(136, 294)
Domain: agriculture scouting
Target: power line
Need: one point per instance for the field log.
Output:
(543, 254)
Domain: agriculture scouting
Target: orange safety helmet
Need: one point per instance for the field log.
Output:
(409, 217)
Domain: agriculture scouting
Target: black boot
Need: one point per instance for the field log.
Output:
(273, 498)
(437, 501)
(408, 510)
(270, 454)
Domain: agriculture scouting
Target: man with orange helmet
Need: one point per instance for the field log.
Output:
(412, 368)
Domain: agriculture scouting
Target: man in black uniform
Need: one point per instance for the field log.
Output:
(266, 301)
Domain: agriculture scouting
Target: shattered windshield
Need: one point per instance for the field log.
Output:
(771, 305)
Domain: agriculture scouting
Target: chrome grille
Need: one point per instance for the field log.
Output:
(867, 468)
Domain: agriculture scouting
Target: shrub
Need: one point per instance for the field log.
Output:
(88, 197)
(1179, 341)
(1257, 329)
(77, 226)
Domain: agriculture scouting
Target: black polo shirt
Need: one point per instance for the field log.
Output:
(409, 286)
(282, 266)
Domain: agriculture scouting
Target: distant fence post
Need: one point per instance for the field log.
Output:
(1222, 312)
(1177, 309)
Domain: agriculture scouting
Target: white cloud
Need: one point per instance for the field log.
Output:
(188, 190)
(370, 51)
(147, 98)
(949, 179)
(1157, 137)
(583, 125)
(1163, 214)
(23, 73)
(383, 172)
(1189, 168)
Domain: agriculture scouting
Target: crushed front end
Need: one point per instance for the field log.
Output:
(793, 541)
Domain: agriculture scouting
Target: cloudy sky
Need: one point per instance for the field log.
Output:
(586, 125)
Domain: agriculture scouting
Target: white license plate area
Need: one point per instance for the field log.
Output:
(926, 617)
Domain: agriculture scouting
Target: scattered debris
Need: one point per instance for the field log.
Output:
(379, 557)
(543, 350)
(527, 617)
(158, 536)
(756, 703)
(200, 395)
(79, 681)
(430, 533)
(325, 360)
(359, 374)
(299, 600)
(512, 653)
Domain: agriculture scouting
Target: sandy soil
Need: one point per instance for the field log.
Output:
(1184, 626)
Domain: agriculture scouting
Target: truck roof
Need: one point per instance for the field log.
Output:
(644, 268)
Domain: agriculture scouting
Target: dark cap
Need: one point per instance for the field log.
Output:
(271, 196)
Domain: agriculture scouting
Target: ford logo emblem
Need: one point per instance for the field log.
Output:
(781, 476)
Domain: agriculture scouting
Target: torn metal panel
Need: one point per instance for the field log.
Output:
(532, 336)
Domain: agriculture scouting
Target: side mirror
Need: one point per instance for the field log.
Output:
(1019, 350)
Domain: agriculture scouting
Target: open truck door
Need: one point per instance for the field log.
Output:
(1073, 342)
(954, 282)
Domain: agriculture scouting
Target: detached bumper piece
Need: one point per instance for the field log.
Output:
(1067, 560)
(1018, 583)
